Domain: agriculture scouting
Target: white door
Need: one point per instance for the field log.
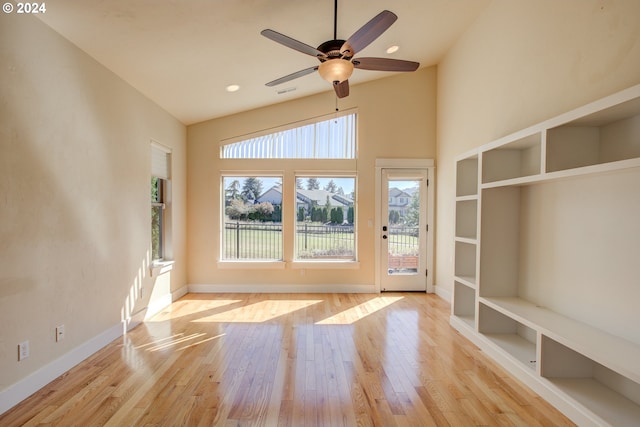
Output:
(403, 230)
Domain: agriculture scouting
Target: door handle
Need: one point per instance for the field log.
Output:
(384, 236)
(384, 228)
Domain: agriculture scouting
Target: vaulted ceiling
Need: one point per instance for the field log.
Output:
(182, 54)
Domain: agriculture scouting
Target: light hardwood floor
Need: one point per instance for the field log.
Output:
(289, 360)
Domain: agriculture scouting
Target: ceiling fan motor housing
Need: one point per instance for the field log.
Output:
(332, 48)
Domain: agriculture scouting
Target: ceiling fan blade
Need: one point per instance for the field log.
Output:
(368, 33)
(292, 76)
(292, 43)
(341, 88)
(385, 64)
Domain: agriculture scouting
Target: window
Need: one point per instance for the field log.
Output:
(318, 207)
(252, 220)
(332, 138)
(325, 218)
(160, 175)
(157, 218)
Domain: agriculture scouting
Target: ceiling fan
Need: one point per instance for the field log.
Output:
(337, 56)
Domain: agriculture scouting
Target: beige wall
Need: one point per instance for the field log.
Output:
(74, 196)
(520, 63)
(396, 119)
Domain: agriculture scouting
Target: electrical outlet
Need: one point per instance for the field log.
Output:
(59, 333)
(23, 350)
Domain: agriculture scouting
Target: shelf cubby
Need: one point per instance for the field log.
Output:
(464, 306)
(465, 262)
(467, 177)
(609, 135)
(467, 219)
(499, 256)
(515, 338)
(612, 397)
(516, 159)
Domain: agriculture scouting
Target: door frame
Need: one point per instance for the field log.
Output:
(429, 166)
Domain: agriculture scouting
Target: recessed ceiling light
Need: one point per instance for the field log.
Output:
(393, 49)
(233, 88)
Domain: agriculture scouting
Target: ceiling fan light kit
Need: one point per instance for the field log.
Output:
(336, 70)
(337, 56)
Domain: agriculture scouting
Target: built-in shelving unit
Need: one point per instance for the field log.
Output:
(546, 248)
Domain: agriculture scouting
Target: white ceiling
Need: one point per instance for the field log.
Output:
(183, 53)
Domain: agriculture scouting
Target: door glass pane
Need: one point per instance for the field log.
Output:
(404, 222)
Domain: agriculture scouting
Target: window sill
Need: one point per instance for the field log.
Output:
(160, 267)
(252, 265)
(326, 264)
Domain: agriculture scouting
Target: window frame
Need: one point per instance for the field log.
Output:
(161, 159)
(296, 260)
(287, 169)
(247, 262)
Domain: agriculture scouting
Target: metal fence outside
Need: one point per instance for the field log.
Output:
(403, 240)
(263, 241)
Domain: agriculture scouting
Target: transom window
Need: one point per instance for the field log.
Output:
(333, 138)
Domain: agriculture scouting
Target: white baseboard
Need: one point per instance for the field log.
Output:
(444, 293)
(179, 293)
(343, 288)
(19, 391)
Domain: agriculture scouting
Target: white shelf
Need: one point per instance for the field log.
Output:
(467, 219)
(464, 324)
(467, 177)
(612, 352)
(567, 173)
(467, 198)
(602, 137)
(593, 169)
(466, 280)
(467, 240)
(465, 261)
(525, 227)
(517, 347)
(604, 403)
(517, 339)
(516, 159)
(525, 180)
(464, 303)
(469, 320)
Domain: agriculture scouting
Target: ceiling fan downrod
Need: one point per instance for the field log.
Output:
(335, 20)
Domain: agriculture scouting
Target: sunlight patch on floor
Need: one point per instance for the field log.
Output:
(357, 312)
(260, 311)
(187, 307)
